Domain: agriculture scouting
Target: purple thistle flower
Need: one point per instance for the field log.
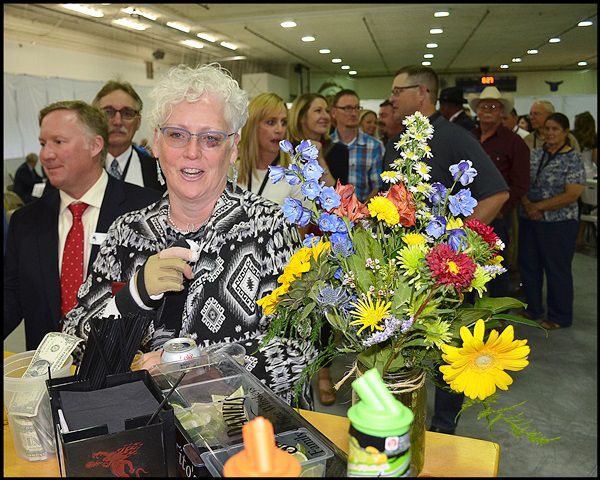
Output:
(331, 297)
(341, 244)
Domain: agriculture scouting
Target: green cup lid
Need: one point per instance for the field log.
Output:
(378, 412)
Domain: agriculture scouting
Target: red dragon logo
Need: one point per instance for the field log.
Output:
(118, 461)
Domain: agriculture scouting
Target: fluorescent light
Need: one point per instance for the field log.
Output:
(288, 24)
(582, 63)
(192, 43)
(428, 55)
(585, 23)
(77, 7)
(207, 37)
(228, 45)
(137, 11)
(504, 65)
(435, 31)
(352, 72)
(533, 51)
(345, 67)
(336, 60)
(308, 38)
(426, 63)
(179, 26)
(127, 22)
(554, 40)
(441, 14)
(324, 50)
(229, 59)
(516, 60)
(431, 45)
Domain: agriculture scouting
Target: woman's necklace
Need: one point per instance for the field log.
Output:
(189, 227)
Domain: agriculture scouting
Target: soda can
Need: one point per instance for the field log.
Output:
(179, 350)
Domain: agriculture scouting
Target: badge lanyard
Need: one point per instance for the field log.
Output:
(264, 182)
(547, 157)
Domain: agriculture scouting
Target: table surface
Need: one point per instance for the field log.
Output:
(445, 455)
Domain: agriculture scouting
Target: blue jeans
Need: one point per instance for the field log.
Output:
(548, 248)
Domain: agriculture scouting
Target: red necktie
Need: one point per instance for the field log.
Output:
(71, 276)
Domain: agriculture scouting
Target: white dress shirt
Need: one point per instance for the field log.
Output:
(134, 173)
(93, 197)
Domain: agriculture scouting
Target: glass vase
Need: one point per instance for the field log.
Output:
(416, 400)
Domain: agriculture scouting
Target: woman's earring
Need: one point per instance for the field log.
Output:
(159, 174)
(233, 175)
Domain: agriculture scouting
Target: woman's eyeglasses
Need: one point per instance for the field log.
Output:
(126, 112)
(179, 138)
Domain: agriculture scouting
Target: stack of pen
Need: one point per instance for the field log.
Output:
(111, 346)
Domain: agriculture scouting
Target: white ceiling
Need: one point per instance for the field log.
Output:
(373, 39)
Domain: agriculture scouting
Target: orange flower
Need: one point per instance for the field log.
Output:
(403, 200)
(350, 206)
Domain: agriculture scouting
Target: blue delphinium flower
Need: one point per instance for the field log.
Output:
(292, 175)
(436, 227)
(331, 223)
(286, 146)
(463, 171)
(438, 193)
(339, 273)
(276, 173)
(462, 203)
(307, 150)
(312, 170)
(311, 189)
(295, 213)
(329, 198)
(310, 240)
(331, 297)
(457, 239)
(341, 244)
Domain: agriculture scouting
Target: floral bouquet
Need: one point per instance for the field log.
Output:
(391, 276)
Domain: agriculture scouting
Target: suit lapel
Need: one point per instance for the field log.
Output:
(48, 250)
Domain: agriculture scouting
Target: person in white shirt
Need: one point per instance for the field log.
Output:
(511, 121)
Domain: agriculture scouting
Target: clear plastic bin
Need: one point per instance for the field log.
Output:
(300, 440)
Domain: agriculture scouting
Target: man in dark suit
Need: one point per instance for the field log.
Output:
(26, 177)
(123, 107)
(451, 107)
(73, 139)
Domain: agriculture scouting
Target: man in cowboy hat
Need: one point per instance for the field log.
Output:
(510, 154)
(451, 106)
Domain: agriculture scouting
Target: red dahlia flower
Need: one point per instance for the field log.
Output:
(484, 231)
(449, 268)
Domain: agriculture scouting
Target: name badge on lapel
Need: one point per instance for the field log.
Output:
(97, 238)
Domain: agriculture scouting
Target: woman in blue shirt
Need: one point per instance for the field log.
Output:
(549, 223)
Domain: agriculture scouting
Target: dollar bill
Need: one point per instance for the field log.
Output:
(52, 352)
(25, 435)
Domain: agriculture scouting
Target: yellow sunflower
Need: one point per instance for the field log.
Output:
(478, 368)
(369, 314)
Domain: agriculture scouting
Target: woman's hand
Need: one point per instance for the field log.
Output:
(164, 271)
(149, 361)
(533, 212)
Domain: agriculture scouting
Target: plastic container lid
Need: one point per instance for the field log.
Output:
(378, 413)
(260, 456)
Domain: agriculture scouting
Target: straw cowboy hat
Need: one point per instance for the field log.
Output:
(492, 93)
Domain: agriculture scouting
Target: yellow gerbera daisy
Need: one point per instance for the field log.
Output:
(497, 260)
(384, 209)
(269, 302)
(370, 315)
(478, 368)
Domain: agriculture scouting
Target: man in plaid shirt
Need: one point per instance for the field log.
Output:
(365, 151)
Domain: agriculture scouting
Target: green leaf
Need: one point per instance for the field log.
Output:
(306, 311)
(517, 319)
(468, 315)
(498, 304)
(401, 294)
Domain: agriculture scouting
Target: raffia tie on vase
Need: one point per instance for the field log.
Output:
(404, 386)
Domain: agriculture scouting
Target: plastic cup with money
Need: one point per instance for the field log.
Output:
(237, 351)
(137, 361)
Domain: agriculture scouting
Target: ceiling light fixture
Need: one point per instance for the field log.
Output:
(428, 55)
(554, 40)
(435, 31)
(533, 51)
(324, 50)
(426, 64)
(308, 38)
(288, 24)
(585, 23)
(516, 60)
(432, 45)
(207, 37)
(79, 8)
(352, 72)
(345, 67)
(582, 63)
(228, 45)
(504, 65)
(336, 60)
(127, 22)
(192, 43)
(179, 26)
(442, 13)
(137, 11)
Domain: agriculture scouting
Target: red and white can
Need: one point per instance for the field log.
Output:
(179, 350)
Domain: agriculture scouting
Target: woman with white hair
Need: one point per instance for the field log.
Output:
(240, 241)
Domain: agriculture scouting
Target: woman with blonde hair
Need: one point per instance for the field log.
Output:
(367, 121)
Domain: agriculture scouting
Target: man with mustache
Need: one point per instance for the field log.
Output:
(123, 106)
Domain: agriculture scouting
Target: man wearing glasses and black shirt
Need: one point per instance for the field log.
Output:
(123, 107)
